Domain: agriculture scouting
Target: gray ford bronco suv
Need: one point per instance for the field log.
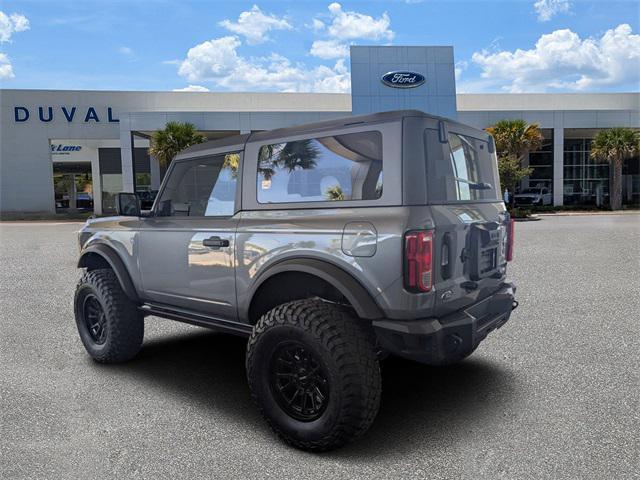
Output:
(327, 245)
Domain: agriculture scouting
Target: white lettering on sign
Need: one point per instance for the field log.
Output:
(403, 78)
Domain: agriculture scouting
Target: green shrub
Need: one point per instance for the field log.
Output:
(519, 212)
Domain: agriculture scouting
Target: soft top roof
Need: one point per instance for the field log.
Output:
(353, 120)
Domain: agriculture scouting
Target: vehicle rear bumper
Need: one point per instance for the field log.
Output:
(443, 340)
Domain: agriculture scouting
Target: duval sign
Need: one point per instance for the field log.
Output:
(47, 114)
(403, 79)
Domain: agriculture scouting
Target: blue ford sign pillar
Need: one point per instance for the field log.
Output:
(396, 78)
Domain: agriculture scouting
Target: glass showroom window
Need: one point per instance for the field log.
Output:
(541, 162)
(326, 169)
(586, 181)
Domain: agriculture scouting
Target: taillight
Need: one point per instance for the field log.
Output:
(418, 254)
(510, 239)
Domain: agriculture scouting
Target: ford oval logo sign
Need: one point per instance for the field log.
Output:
(401, 79)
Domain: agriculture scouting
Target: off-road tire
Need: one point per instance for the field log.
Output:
(124, 323)
(345, 346)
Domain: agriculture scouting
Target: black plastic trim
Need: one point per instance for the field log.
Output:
(353, 291)
(197, 318)
(437, 341)
(117, 265)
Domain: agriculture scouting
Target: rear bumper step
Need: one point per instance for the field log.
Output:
(439, 340)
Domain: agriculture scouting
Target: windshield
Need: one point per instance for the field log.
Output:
(535, 191)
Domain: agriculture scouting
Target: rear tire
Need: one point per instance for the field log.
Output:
(110, 326)
(313, 373)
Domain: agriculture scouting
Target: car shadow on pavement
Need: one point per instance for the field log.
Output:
(422, 406)
(426, 408)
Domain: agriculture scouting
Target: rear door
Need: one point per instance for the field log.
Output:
(469, 216)
(187, 247)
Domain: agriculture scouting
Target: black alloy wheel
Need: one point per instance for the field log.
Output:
(95, 319)
(299, 381)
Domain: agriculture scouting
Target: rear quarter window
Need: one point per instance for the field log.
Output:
(465, 172)
(322, 169)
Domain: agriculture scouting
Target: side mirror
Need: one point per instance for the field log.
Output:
(128, 204)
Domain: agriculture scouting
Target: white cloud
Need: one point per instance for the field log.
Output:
(561, 60)
(6, 70)
(192, 88)
(218, 61)
(547, 9)
(255, 24)
(328, 49)
(336, 79)
(10, 24)
(127, 51)
(460, 67)
(347, 25)
(317, 25)
(211, 59)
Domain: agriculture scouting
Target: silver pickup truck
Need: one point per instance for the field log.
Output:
(328, 246)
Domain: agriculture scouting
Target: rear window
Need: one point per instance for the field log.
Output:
(468, 172)
(324, 169)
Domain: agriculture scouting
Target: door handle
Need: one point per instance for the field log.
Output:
(215, 242)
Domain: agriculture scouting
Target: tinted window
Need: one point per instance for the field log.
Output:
(202, 187)
(468, 172)
(340, 167)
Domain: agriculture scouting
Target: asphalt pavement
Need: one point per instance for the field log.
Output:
(553, 394)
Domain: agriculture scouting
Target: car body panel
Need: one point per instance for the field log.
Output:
(177, 269)
(267, 237)
(364, 239)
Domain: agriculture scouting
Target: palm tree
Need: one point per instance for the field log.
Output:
(175, 137)
(301, 155)
(334, 193)
(516, 138)
(615, 145)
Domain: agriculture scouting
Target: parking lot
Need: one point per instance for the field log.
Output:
(553, 394)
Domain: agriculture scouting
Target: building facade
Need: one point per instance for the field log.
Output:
(73, 150)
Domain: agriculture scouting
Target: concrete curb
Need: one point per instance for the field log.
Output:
(570, 214)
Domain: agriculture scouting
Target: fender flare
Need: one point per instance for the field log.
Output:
(362, 302)
(117, 265)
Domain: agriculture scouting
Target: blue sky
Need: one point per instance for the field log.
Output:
(507, 46)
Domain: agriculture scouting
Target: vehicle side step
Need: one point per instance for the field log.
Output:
(198, 319)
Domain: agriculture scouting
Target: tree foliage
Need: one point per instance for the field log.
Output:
(334, 193)
(175, 137)
(511, 172)
(291, 156)
(516, 138)
(615, 145)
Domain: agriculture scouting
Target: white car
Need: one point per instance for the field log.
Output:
(534, 196)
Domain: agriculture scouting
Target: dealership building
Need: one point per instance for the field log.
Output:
(66, 150)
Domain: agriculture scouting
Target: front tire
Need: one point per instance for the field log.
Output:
(313, 373)
(110, 326)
